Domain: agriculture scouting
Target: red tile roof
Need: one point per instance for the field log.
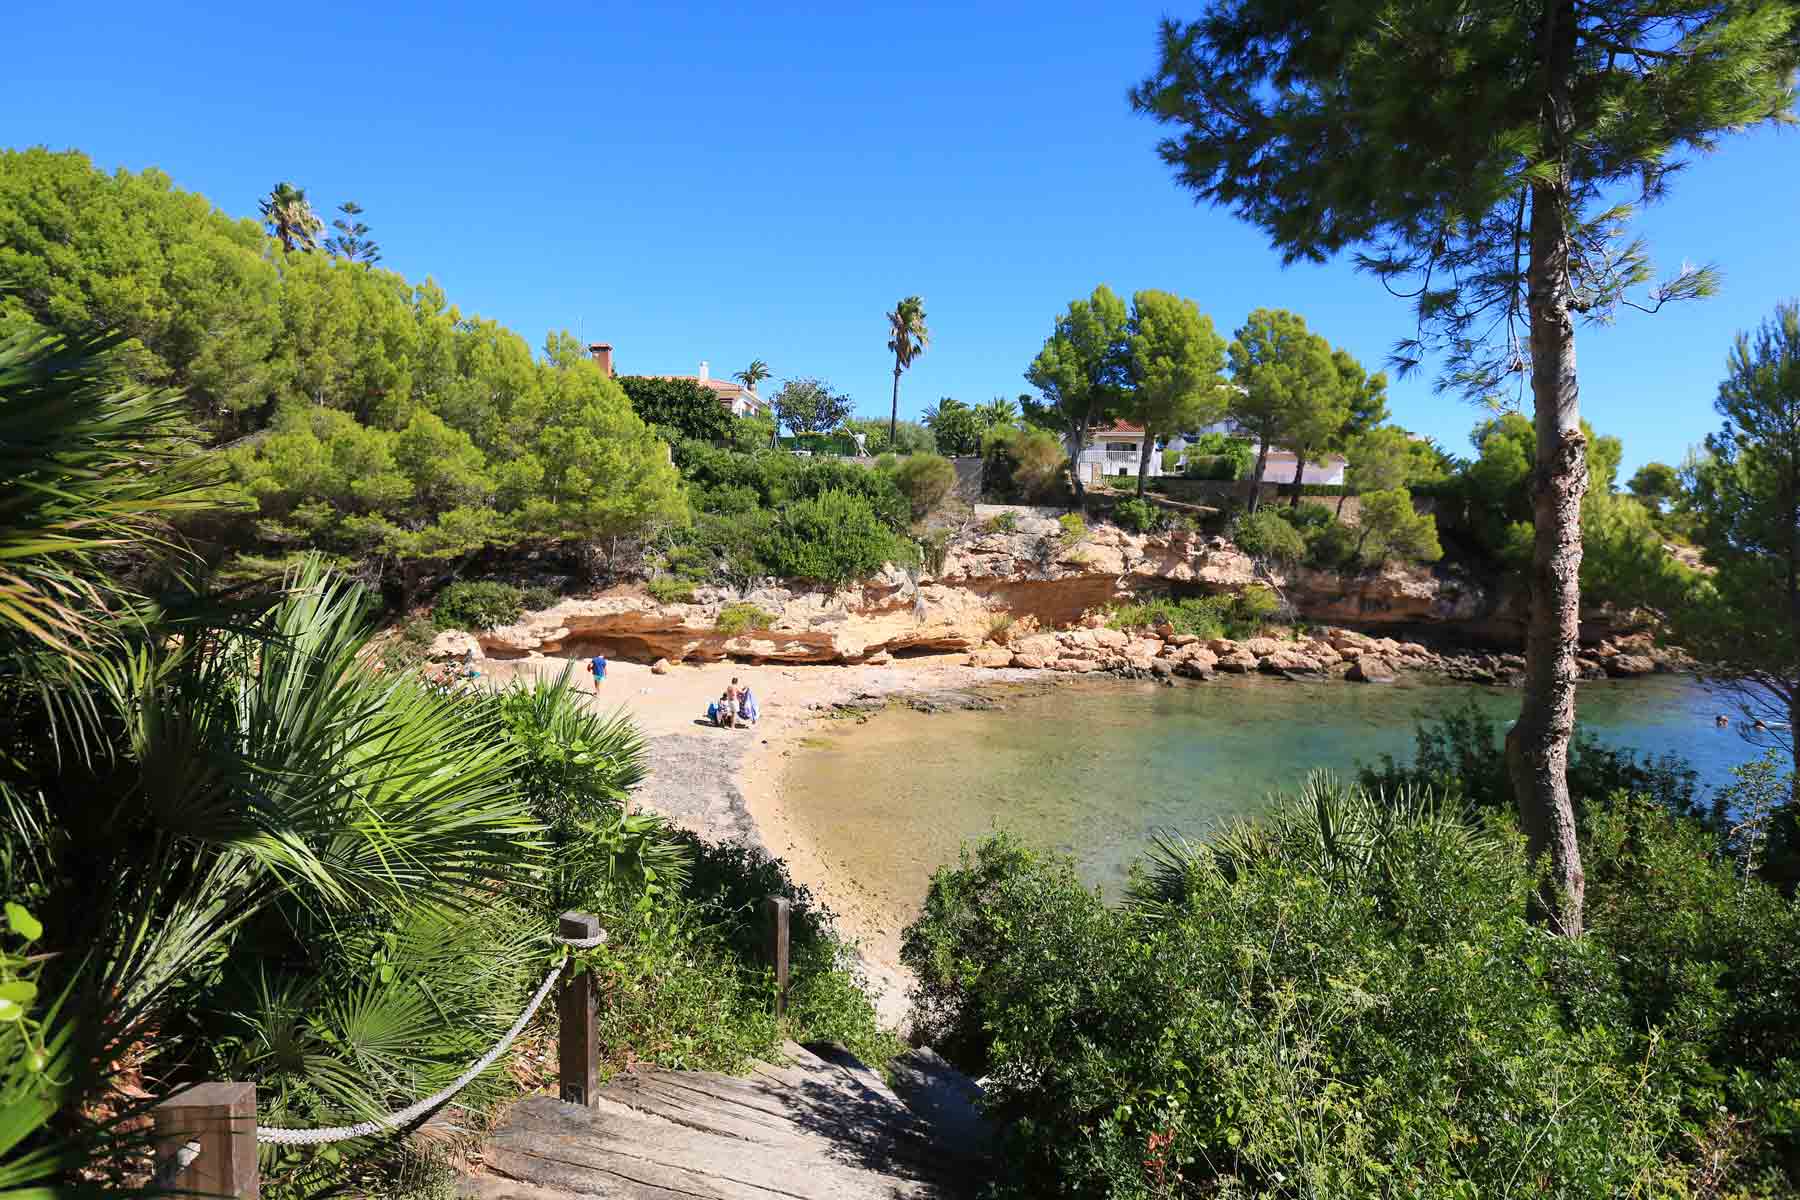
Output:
(1121, 427)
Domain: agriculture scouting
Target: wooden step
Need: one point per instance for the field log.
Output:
(613, 1150)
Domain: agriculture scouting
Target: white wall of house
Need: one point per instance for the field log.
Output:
(1113, 455)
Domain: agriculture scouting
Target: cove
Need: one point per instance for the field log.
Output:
(1095, 769)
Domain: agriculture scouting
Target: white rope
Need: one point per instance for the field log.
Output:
(412, 1112)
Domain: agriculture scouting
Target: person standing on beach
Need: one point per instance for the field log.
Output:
(598, 666)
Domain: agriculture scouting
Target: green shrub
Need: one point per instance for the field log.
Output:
(1021, 465)
(743, 618)
(1331, 545)
(1139, 516)
(1242, 615)
(1266, 534)
(1074, 529)
(925, 480)
(778, 479)
(934, 547)
(665, 589)
(538, 597)
(477, 605)
(1220, 456)
(836, 538)
(1307, 517)
(1389, 527)
(1347, 998)
(1006, 522)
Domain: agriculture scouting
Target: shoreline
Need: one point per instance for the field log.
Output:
(726, 784)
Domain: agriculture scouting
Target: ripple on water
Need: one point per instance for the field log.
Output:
(1094, 769)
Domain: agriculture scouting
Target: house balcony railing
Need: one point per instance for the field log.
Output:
(1123, 454)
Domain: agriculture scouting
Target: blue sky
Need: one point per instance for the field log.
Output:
(743, 181)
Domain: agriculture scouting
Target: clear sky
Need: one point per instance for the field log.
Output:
(748, 180)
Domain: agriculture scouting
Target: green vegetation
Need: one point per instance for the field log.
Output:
(1347, 998)
(1074, 529)
(1268, 534)
(1220, 456)
(1021, 466)
(909, 437)
(1137, 515)
(743, 617)
(666, 589)
(677, 408)
(1245, 614)
(1006, 522)
(926, 480)
(477, 605)
(955, 426)
(1502, 224)
(834, 538)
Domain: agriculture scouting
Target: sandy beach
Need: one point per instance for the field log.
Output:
(726, 784)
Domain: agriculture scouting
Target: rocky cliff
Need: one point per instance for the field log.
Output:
(1032, 576)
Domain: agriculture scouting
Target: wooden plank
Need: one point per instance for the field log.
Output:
(567, 1147)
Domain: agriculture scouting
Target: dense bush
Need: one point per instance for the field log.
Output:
(835, 538)
(1139, 516)
(1022, 466)
(1220, 456)
(1331, 546)
(775, 479)
(479, 604)
(1074, 529)
(925, 480)
(668, 589)
(743, 618)
(1461, 754)
(1388, 526)
(1006, 522)
(1267, 534)
(678, 408)
(1243, 614)
(910, 437)
(1307, 517)
(1347, 998)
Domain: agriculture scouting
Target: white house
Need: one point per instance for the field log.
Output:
(1326, 469)
(1113, 451)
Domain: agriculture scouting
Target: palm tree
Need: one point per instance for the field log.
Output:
(907, 338)
(1002, 412)
(755, 373)
(290, 218)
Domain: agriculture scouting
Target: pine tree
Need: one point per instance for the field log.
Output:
(352, 240)
(1475, 157)
(1475, 154)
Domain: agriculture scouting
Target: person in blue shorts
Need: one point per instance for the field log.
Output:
(598, 667)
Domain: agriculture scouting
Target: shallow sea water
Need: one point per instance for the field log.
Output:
(1094, 769)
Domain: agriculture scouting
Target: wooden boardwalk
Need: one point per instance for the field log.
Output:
(820, 1125)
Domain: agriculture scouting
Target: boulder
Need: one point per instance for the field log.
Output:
(1140, 664)
(1625, 665)
(1110, 639)
(1144, 648)
(1078, 665)
(1200, 655)
(880, 658)
(990, 657)
(1181, 639)
(1162, 668)
(454, 643)
(1262, 647)
(1030, 662)
(1238, 662)
(1370, 668)
(1222, 646)
(1193, 668)
(1288, 663)
(660, 667)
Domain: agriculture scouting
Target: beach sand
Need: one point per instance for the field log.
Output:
(726, 784)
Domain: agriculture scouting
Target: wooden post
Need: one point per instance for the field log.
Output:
(578, 1054)
(775, 910)
(219, 1120)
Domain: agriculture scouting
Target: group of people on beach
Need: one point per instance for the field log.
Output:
(737, 706)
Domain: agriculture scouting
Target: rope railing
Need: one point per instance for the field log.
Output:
(207, 1135)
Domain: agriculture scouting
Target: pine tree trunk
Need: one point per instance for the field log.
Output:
(1262, 460)
(1537, 747)
(1077, 441)
(1144, 453)
(1299, 477)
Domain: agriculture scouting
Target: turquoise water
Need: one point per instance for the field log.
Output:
(1094, 770)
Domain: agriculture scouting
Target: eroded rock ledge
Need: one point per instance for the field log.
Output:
(1026, 598)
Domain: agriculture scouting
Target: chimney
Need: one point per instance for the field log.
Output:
(703, 370)
(602, 352)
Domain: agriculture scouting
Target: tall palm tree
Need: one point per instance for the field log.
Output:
(907, 338)
(755, 373)
(289, 217)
